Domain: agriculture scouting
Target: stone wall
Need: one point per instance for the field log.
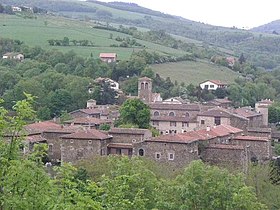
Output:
(76, 149)
(210, 121)
(164, 126)
(228, 156)
(178, 113)
(261, 150)
(54, 142)
(126, 138)
(173, 154)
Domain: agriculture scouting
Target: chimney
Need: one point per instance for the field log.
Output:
(208, 128)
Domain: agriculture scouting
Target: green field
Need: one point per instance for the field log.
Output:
(194, 72)
(36, 32)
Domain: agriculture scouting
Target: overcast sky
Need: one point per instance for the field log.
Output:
(239, 13)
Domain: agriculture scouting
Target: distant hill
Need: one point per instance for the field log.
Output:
(271, 28)
(258, 47)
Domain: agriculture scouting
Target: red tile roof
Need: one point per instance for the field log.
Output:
(120, 145)
(199, 135)
(251, 138)
(39, 127)
(35, 138)
(216, 112)
(107, 55)
(170, 118)
(88, 120)
(246, 112)
(164, 106)
(178, 138)
(89, 134)
(136, 131)
(225, 146)
(218, 82)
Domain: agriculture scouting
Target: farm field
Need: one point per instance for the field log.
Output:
(37, 32)
(194, 72)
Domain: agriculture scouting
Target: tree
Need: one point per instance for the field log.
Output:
(1, 8)
(242, 59)
(134, 111)
(207, 187)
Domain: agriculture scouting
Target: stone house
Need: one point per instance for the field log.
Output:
(83, 144)
(255, 118)
(129, 135)
(88, 122)
(259, 148)
(221, 102)
(108, 57)
(226, 155)
(174, 150)
(54, 141)
(173, 124)
(173, 118)
(220, 116)
(96, 113)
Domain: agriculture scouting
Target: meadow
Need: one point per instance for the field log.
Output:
(194, 72)
(36, 32)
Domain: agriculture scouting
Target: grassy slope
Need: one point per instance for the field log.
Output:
(194, 72)
(34, 32)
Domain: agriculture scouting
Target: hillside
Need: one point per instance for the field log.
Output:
(194, 72)
(270, 28)
(37, 32)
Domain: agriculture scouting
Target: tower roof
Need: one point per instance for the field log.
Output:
(144, 79)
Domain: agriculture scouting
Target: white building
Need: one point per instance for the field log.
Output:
(212, 84)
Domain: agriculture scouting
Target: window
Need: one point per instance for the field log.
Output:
(170, 156)
(89, 141)
(146, 86)
(156, 113)
(185, 124)
(50, 148)
(202, 122)
(157, 155)
(141, 152)
(217, 120)
(173, 124)
(211, 86)
(187, 114)
(155, 123)
(206, 86)
(118, 151)
(171, 114)
(142, 85)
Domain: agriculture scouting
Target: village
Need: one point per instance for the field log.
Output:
(214, 131)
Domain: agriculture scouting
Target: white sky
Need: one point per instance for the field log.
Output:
(239, 13)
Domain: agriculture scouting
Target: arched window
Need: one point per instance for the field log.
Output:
(146, 86)
(141, 152)
(187, 114)
(142, 85)
(156, 113)
(171, 114)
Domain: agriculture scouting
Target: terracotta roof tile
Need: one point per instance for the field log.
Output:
(35, 138)
(170, 118)
(251, 138)
(165, 106)
(41, 126)
(178, 138)
(246, 112)
(225, 146)
(120, 145)
(89, 134)
(218, 82)
(136, 131)
(107, 55)
(87, 120)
